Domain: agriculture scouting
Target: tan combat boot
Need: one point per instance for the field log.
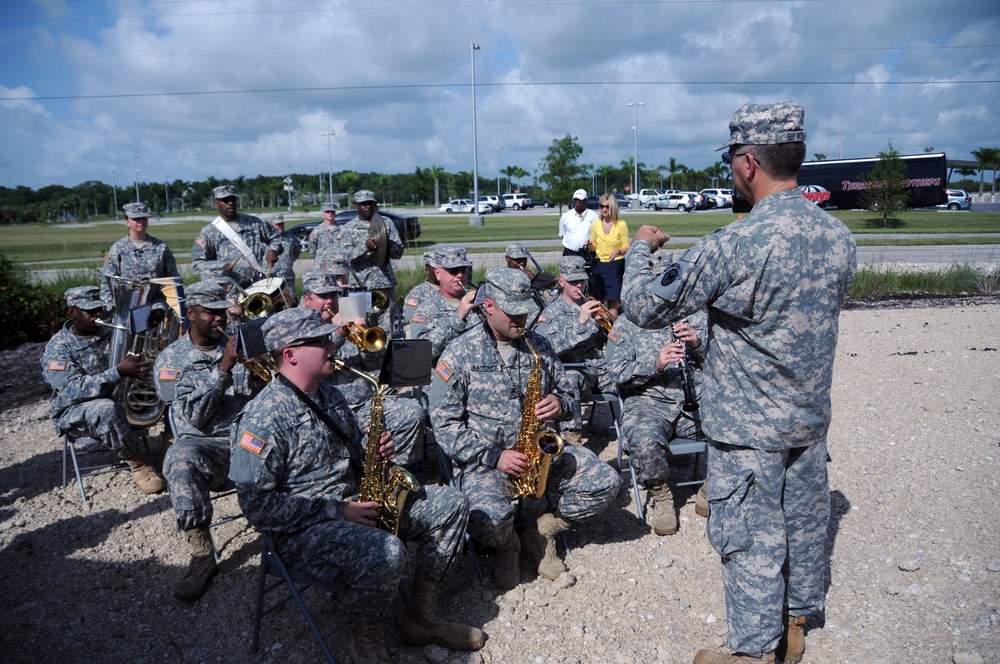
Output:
(506, 567)
(701, 501)
(714, 657)
(539, 540)
(572, 437)
(793, 640)
(366, 647)
(202, 567)
(145, 477)
(662, 516)
(423, 625)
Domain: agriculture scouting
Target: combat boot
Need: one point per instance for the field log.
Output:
(422, 624)
(793, 640)
(539, 540)
(366, 647)
(714, 657)
(506, 568)
(202, 567)
(572, 437)
(662, 516)
(145, 477)
(701, 501)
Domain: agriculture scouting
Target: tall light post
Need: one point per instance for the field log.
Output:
(635, 147)
(476, 219)
(498, 170)
(135, 171)
(114, 191)
(329, 158)
(166, 197)
(320, 179)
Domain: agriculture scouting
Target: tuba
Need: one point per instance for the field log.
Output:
(137, 395)
(540, 444)
(382, 481)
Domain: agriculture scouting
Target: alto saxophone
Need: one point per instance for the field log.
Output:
(382, 482)
(540, 444)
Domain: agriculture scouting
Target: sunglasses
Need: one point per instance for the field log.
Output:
(605, 206)
(728, 159)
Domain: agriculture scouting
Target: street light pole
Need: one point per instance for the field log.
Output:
(135, 169)
(329, 157)
(114, 191)
(166, 197)
(498, 170)
(635, 147)
(476, 219)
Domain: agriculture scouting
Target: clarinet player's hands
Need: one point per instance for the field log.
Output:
(669, 354)
(686, 333)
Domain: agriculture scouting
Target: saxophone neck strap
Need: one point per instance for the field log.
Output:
(357, 456)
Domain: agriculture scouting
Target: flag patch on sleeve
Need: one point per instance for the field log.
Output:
(168, 374)
(543, 318)
(444, 371)
(614, 336)
(412, 302)
(57, 365)
(200, 241)
(251, 443)
(419, 318)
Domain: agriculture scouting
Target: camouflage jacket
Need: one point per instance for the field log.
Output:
(354, 389)
(560, 324)
(417, 294)
(287, 255)
(212, 252)
(773, 284)
(476, 399)
(352, 238)
(436, 320)
(77, 368)
(325, 239)
(150, 260)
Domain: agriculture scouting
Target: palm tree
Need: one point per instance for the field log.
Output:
(436, 172)
(674, 168)
(986, 157)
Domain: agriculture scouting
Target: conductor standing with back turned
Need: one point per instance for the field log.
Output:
(773, 284)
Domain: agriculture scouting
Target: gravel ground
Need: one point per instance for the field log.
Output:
(913, 545)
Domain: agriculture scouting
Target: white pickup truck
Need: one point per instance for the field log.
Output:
(645, 196)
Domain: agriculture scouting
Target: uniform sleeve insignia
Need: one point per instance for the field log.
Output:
(412, 302)
(57, 365)
(340, 236)
(444, 371)
(614, 336)
(107, 258)
(543, 318)
(419, 318)
(251, 443)
(200, 241)
(168, 374)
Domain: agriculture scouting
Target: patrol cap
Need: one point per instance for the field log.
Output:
(136, 210)
(451, 256)
(338, 265)
(207, 294)
(320, 282)
(84, 297)
(767, 124)
(572, 268)
(580, 195)
(329, 207)
(278, 219)
(517, 250)
(429, 259)
(296, 324)
(224, 191)
(510, 289)
(364, 196)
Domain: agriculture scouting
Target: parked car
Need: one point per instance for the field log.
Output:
(408, 227)
(517, 201)
(698, 201)
(543, 202)
(680, 202)
(495, 202)
(623, 201)
(958, 199)
(593, 202)
(465, 205)
(725, 194)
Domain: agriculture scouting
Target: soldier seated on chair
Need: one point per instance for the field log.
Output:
(297, 456)
(448, 312)
(205, 385)
(423, 290)
(644, 364)
(477, 398)
(75, 364)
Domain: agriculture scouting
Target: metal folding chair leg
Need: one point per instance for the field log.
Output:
(69, 453)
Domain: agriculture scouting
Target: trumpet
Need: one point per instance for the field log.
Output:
(264, 369)
(368, 339)
(603, 316)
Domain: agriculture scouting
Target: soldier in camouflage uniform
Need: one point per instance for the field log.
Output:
(448, 312)
(773, 284)
(644, 365)
(199, 377)
(404, 417)
(297, 461)
(323, 239)
(476, 397)
(569, 325)
(516, 257)
(214, 256)
(137, 256)
(289, 252)
(421, 291)
(75, 364)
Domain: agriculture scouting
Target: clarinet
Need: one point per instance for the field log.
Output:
(690, 401)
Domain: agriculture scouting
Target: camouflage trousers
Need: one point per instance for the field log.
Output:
(406, 419)
(194, 466)
(103, 419)
(768, 521)
(370, 562)
(647, 425)
(583, 484)
(586, 381)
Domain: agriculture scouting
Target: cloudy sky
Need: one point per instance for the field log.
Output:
(246, 87)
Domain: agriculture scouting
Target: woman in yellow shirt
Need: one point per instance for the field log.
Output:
(609, 240)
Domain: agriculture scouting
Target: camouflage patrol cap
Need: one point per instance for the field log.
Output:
(572, 268)
(329, 207)
(320, 282)
(295, 324)
(207, 294)
(767, 124)
(84, 297)
(429, 259)
(364, 196)
(225, 191)
(510, 289)
(136, 210)
(451, 256)
(338, 264)
(517, 250)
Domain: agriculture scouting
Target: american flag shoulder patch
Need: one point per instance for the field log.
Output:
(168, 374)
(251, 443)
(543, 318)
(419, 318)
(444, 371)
(614, 335)
(412, 302)
(200, 241)
(57, 365)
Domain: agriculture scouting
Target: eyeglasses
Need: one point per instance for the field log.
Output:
(605, 206)
(456, 270)
(728, 159)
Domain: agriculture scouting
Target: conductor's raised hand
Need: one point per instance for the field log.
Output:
(653, 235)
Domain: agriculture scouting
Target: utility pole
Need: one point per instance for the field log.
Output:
(635, 154)
(135, 170)
(329, 158)
(114, 191)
